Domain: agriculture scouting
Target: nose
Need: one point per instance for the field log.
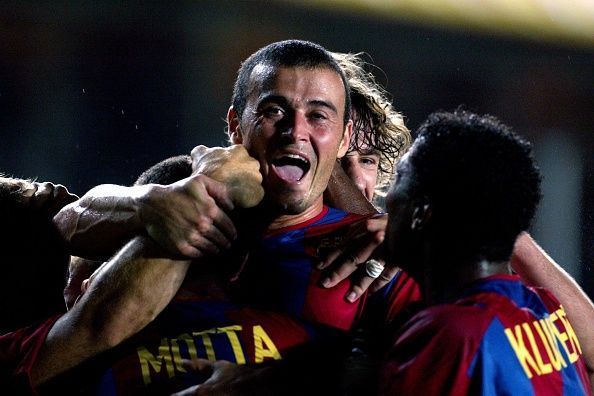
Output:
(297, 129)
(354, 172)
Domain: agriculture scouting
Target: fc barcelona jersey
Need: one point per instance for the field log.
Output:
(276, 305)
(500, 337)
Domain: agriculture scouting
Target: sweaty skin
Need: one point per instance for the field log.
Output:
(293, 124)
(233, 167)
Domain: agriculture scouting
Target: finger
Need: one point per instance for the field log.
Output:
(202, 243)
(62, 194)
(60, 198)
(198, 151)
(215, 225)
(333, 256)
(196, 154)
(225, 225)
(358, 288)
(187, 250)
(42, 194)
(358, 256)
(84, 285)
(386, 277)
(212, 199)
(197, 365)
(219, 192)
(193, 390)
(348, 265)
(330, 258)
(377, 223)
(209, 240)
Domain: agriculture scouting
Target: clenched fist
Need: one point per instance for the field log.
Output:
(234, 167)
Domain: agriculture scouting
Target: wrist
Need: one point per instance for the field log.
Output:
(143, 198)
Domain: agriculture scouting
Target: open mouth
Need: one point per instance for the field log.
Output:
(291, 167)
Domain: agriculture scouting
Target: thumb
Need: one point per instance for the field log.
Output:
(198, 365)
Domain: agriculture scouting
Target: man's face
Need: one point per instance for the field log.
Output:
(293, 124)
(400, 241)
(361, 166)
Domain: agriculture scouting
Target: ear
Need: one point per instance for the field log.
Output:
(233, 129)
(346, 139)
(421, 216)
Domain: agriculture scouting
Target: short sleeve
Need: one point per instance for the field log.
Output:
(18, 352)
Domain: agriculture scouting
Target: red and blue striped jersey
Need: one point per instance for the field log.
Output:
(499, 337)
(275, 306)
(281, 274)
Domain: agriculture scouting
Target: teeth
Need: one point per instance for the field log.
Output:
(294, 156)
(297, 157)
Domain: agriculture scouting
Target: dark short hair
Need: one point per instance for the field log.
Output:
(480, 178)
(34, 258)
(289, 53)
(167, 171)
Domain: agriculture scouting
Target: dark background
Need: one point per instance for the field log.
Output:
(96, 92)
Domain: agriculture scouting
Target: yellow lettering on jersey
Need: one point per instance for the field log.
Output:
(192, 351)
(561, 336)
(545, 368)
(207, 342)
(234, 340)
(550, 345)
(573, 340)
(155, 362)
(263, 345)
(517, 343)
(175, 345)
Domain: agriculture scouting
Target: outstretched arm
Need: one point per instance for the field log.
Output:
(104, 218)
(125, 294)
(187, 218)
(536, 268)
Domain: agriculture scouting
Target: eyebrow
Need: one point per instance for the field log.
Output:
(369, 151)
(282, 100)
(323, 103)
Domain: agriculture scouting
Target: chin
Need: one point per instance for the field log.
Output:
(288, 205)
(293, 208)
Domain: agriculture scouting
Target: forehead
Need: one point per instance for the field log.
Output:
(298, 85)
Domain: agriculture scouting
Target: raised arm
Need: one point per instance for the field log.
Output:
(536, 268)
(175, 215)
(181, 217)
(125, 294)
(102, 220)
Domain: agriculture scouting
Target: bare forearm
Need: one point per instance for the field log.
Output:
(101, 221)
(342, 193)
(538, 269)
(125, 295)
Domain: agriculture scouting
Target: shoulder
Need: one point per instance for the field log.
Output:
(442, 340)
(452, 322)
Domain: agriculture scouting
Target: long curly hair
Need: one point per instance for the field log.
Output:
(377, 125)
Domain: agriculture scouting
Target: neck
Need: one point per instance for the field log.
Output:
(440, 286)
(286, 220)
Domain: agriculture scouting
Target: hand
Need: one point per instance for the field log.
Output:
(79, 271)
(226, 378)
(234, 167)
(47, 197)
(361, 243)
(188, 217)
